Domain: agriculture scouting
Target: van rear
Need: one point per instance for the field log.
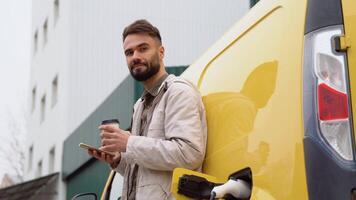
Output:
(329, 88)
(279, 90)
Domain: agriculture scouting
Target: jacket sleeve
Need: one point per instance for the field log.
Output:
(122, 165)
(185, 134)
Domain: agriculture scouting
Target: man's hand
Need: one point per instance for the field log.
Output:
(113, 161)
(113, 139)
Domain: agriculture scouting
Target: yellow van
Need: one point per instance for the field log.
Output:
(278, 93)
(279, 88)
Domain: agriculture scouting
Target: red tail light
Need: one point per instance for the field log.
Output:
(332, 93)
(332, 104)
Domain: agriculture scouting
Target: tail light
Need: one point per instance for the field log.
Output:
(332, 92)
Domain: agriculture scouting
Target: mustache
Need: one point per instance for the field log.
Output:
(138, 62)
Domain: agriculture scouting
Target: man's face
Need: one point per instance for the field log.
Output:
(143, 54)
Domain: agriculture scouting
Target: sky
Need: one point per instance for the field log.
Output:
(15, 59)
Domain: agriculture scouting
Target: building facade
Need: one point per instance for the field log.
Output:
(78, 64)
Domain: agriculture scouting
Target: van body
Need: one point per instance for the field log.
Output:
(279, 91)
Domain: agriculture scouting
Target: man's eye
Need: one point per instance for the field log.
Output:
(128, 53)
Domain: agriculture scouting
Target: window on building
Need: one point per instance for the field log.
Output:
(30, 158)
(51, 160)
(33, 103)
(35, 42)
(45, 32)
(43, 108)
(56, 11)
(39, 169)
(54, 91)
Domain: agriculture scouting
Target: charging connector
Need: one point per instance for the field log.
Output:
(237, 188)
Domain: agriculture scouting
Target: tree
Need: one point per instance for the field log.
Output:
(12, 145)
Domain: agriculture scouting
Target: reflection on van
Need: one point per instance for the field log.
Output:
(231, 116)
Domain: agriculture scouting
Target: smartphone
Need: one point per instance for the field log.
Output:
(88, 147)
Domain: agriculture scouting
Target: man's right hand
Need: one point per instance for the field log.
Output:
(113, 161)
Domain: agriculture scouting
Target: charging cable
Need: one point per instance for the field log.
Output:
(236, 188)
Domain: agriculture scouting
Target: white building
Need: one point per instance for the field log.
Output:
(78, 60)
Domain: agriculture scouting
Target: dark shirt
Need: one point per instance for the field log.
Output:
(151, 98)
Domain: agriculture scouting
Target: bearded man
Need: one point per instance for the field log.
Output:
(168, 123)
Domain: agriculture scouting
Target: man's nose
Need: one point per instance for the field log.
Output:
(136, 58)
(136, 55)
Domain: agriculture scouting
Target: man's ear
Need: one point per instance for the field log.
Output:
(161, 52)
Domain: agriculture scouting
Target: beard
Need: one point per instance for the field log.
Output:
(145, 70)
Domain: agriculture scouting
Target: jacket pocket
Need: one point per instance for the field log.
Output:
(150, 191)
(156, 127)
(156, 133)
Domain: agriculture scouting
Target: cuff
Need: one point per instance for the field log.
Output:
(129, 155)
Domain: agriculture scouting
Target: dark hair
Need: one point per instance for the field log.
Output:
(144, 27)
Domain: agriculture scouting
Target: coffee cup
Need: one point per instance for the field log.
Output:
(114, 122)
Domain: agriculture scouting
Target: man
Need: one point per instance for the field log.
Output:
(168, 124)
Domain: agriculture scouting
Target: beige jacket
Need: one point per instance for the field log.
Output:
(176, 137)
